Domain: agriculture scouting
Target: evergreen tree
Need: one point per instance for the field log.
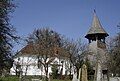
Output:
(6, 35)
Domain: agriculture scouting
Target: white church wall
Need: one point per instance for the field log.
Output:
(29, 65)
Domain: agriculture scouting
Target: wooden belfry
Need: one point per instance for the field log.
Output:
(96, 31)
(97, 46)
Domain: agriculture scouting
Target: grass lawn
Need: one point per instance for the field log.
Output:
(60, 80)
(14, 78)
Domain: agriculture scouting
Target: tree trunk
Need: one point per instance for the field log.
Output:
(26, 69)
(70, 76)
(46, 72)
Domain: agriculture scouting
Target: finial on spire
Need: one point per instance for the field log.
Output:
(94, 11)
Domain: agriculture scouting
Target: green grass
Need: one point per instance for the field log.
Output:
(28, 78)
(60, 80)
(13, 78)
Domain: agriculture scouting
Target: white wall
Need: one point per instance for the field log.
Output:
(30, 63)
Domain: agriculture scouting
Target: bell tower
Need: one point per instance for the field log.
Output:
(96, 32)
(97, 46)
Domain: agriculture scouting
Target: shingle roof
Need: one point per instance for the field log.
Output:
(96, 27)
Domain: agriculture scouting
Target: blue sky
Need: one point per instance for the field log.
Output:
(71, 18)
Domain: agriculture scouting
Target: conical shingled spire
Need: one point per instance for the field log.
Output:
(96, 27)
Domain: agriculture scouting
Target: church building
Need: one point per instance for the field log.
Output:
(97, 55)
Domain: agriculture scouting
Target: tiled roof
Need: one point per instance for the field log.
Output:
(28, 49)
(31, 50)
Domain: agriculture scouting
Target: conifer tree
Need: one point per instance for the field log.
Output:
(6, 35)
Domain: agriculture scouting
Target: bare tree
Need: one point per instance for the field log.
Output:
(114, 52)
(76, 51)
(45, 43)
